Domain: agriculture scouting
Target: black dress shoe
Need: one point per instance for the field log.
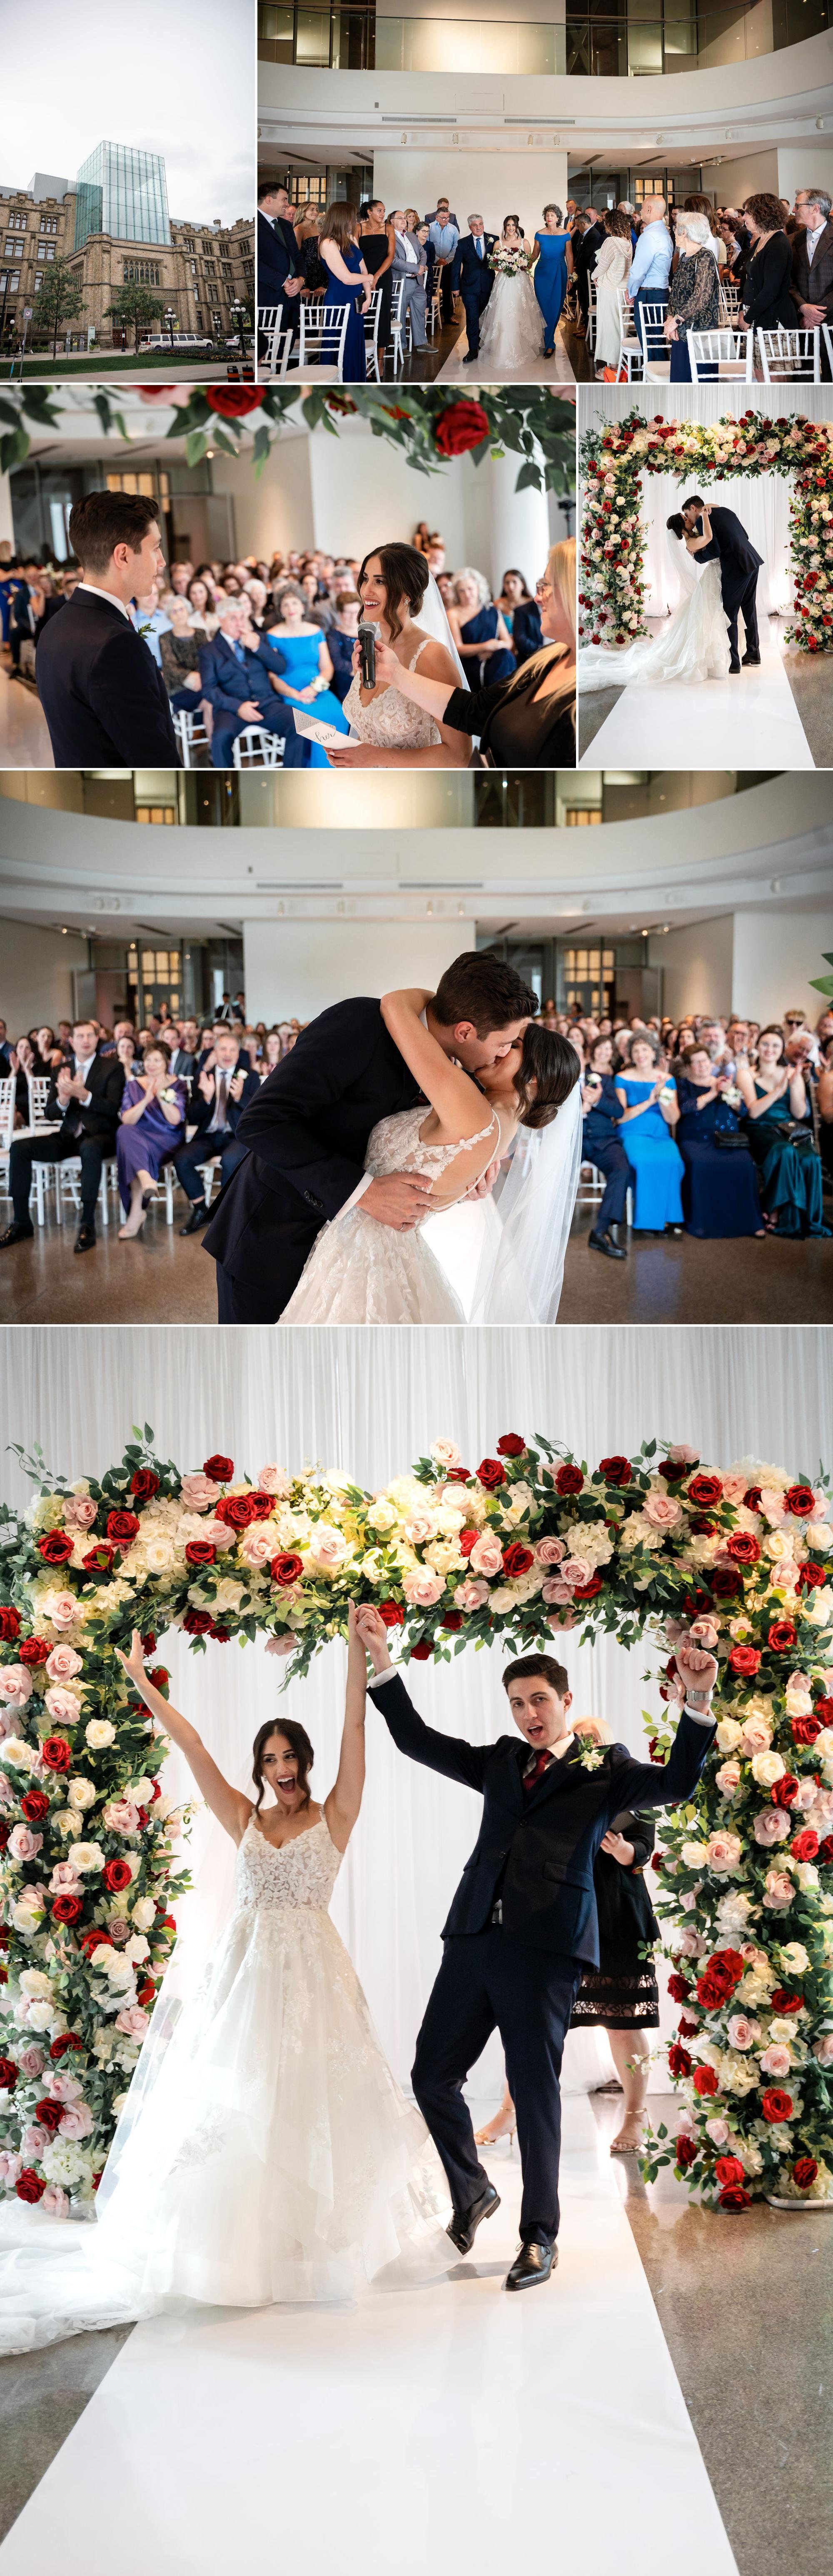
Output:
(533, 2263)
(751, 657)
(198, 1217)
(471, 358)
(733, 667)
(85, 1239)
(462, 2227)
(15, 1234)
(605, 1243)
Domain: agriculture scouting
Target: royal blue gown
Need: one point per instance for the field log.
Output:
(720, 1192)
(295, 660)
(550, 282)
(659, 1168)
(482, 629)
(354, 370)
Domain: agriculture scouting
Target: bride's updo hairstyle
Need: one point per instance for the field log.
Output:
(299, 1744)
(548, 1071)
(676, 524)
(405, 575)
(511, 219)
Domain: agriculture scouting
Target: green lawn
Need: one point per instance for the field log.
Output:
(92, 362)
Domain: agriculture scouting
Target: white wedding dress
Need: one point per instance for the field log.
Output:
(512, 323)
(391, 721)
(692, 646)
(361, 1272)
(273, 2158)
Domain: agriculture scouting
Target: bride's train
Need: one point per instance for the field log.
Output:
(693, 646)
(511, 326)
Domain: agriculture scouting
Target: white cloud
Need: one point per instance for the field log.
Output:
(182, 81)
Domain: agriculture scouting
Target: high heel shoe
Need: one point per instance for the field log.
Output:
(490, 2136)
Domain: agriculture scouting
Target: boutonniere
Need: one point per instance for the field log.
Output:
(147, 629)
(592, 1757)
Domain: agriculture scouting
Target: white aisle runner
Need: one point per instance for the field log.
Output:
(750, 722)
(543, 371)
(445, 2428)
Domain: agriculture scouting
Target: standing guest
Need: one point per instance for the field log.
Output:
(694, 294)
(410, 267)
(767, 301)
(812, 264)
(221, 1092)
(553, 269)
(307, 235)
(479, 633)
(585, 255)
(521, 616)
(280, 274)
(780, 1133)
(33, 603)
(602, 1146)
(651, 263)
(613, 268)
(443, 235)
(378, 244)
(105, 703)
(341, 641)
(626, 207)
(720, 1190)
(650, 1112)
(85, 1096)
(348, 283)
(151, 1126)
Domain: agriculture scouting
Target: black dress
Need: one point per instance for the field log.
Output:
(513, 728)
(621, 1993)
(374, 249)
(766, 297)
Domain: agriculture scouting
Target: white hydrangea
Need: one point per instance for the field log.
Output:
(65, 2163)
(590, 1539)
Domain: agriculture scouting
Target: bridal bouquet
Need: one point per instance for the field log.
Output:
(509, 263)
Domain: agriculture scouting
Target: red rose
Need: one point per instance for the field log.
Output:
(679, 2062)
(56, 1753)
(729, 2169)
(35, 1806)
(233, 402)
(28, 2185)
(237, 1510)
(66, 1909)
(517, 1559)
(752, 1498)
(804, 1730)
(421, 1652)
(811, 1576)
(824, 1712)
(117, 1875)
(784, 1791)
(261, 1506)
(799, 1499)
(218, 1468)
(49, 2114)
(686, 2152)
(705, 2080)
(144, 1484)
(9, 1624)
(491, 1474)
(826, 1851)
(705, 1490)
(462, 425)
(568, 1480)
(781, 2001)
(805, 2170)
(701, 1525)
(200, 1551)
(678, 1990)
(392, 1613)
(146, 1992)
(744, 1659)
(616, 1471)
(686, 2029)
(781, 1636)
(673, 1469)
(804, 1845)
(726, 1582)
(149, 1642)
(197, 1623)
(728, 1964)
(744, 1548)
(33, 1650)
(734, 2197)
(8, 2074)
(775, 2104)
(511, 1445)
(588, 1591)
(467, 1540)
(89, 1941)
(457, 1476)
(286, 1569)
(122, 1527)
(99, 1557)
(160, 1678)
(711, 1993)
(55, 1547)
(452, 1619)
(66, 2039)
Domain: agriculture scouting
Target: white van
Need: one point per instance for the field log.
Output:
(182, 340)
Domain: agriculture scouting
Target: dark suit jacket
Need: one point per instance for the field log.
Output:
(105, 1083)
(278, 258)
(229, 684)
(475, 275)
(813, 284)
(101, 691)
(183, 1063)
(538, 1845)
(201, 1111)
(738, 558)
(308, 1130)
(586, 251)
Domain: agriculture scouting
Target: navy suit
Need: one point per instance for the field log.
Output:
(278, 258)
(222, 1140)
(601, 1144)
(475, 280)
(101, 691)
(229, 684)
(740, 565)
(521, 1928)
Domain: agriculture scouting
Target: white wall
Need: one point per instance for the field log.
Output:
(696, 967)
(802, 165)
(275, 509)
(36, 975)
(488, 183)
(293, 969)
(729, 182)
(775, 954)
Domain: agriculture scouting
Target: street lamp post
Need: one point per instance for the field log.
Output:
(170, 318)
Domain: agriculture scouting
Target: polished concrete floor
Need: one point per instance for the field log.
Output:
(724, 724)
(439, 359)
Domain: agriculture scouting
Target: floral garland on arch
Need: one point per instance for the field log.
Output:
(529, 1543)
(611, 582)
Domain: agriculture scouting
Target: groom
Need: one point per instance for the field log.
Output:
(308, 1131)
(739, 569)
(523, 1925)
(476, 281)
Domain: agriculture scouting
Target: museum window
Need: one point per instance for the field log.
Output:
(48, 223)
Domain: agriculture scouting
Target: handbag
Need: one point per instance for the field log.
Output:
(729, 1141)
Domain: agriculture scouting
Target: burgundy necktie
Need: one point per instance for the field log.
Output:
(540, 1765)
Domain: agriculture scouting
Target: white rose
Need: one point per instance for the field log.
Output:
(144, 1913)
(34, 1982)
(137, 1948)
(21, 1756)
(86, 1856)
(767, 1768)
(728, 1734)
(158, 1554)
(328, 1547)
(99, 1733)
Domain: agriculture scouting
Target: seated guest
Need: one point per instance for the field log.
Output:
(602, 1146)
(235, 682)
(780, 1133)
(720, 1190)
(315, 596)
(341, 641)
(203, 615)
(85, 1097)
(151, 620)
(178, 654)
(128, 1055)
(272, 1052)
(222, 1090)
(527, 722)
(184, 1055)
(479, 632)
(151, 1126)
(105, 702)
(650, 1112)
(296, 657)
(24, 1064)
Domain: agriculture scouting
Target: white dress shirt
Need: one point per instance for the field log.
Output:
(96, 593)
(813, 240)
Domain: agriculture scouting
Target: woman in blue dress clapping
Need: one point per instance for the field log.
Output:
(347, 283)
(300, 669)
(720, 1190)
(650, 1113)
(553, 259)
(479, 633)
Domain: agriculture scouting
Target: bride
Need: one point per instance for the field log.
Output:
(511, 327)
(393, 733)
(272, 2156)
(693, 645)
(361, 1272)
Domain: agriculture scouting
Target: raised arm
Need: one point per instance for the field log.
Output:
(445, 1753)
(451, 1091)
(229, 1805)
(342, 1806)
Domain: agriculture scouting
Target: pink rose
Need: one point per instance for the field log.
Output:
(756, 1735)
(718, 2131)
(63, 1664)
(55, 2201)
(728, 1778)
(222, 1537)
(576, 1571)
(776, 2060)
(31, 2061)
(77, 2121)
(471, 1596)
(64, 1880)
(487, 1555)
(822, 2049)
(118, 1928)
(419, 1528)
(133, 2021)
(422, 1589)
(772, 1505)
(79, 1511)
(23, 1844)
(199, 1494)
(274, 1480)
(34, 2142)
(691, 1945)
(724, 1852)
(65, 2087)
(778, 1891)
(734, 1488)
(806, 1796)
(8, 1792)
(797, 1682)
(445, 1454)
(62, 1611)
(258, 1544)
(771, 1826)
(15, 1685)
(681, 1454)
(62, 1705)
(704, 1633)
(10, 2166)
(555, 1590)
(742, 2031)
(282, 1645)
(663, 1511)
(549, 1551)
(121, 1817)
(328, 1547)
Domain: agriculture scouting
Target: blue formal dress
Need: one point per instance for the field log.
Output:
(354, 370)
(341, 649)
(481, 629)
(295, 659)
(720, 1192)
(659, 1168)
(550, 281)
(790, 1173)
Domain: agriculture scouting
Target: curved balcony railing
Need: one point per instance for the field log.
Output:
(636, 41)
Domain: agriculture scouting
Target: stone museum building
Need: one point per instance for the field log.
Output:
(112, 224)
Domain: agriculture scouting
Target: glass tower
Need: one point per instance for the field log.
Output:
(122, 192)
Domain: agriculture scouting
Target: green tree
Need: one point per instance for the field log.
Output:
(134, 307)
(60, 299)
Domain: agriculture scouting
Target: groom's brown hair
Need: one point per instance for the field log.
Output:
(482, 988)
(544, 1667)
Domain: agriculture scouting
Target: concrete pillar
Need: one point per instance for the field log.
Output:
(294, 968)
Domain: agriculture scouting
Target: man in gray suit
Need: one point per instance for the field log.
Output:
(410, 260)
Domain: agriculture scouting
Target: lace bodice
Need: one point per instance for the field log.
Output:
(300, 1872)
(390, 720)
(395, 1144)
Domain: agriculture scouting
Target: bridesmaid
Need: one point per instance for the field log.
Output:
(479, 633)
(553, 257)
(349, 283)
(649, 1110)
(378, 243)
(789, 1168)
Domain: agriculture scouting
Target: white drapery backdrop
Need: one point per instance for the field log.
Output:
(762, 502)
(372, 1403)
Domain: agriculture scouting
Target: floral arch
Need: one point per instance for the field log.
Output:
(611, 583)
(531, 1541)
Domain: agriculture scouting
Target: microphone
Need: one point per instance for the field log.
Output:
(367, 635)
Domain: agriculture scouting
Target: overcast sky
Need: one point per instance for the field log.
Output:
(173, 76)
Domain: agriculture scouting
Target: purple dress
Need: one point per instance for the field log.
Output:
(150, 1143)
